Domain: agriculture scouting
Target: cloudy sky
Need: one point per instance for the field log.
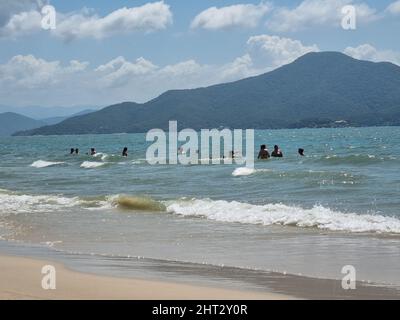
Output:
(103, 52)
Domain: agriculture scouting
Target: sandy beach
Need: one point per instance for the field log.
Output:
(21, 278)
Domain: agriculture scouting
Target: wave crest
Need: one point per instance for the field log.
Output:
(280, 214)
(91, 164)
(44, 164)
(137, 203)
(244, 171)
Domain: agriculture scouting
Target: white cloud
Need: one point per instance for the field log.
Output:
(23, 18)
(30, 80)
(240, 68)
(20, 24)
(29, 72)
(311, 13)
(239, 15)
(10, 7)
(185, 68)
(118, 71)
(276, 51)
(149, 17)
(18, 18)
(369, 52)
(394, 8)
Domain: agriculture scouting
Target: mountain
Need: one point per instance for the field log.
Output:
(55, 120)
(11, 122)
(39, 113)
(316, 90)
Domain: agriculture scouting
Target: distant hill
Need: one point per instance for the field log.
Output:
(317, 90)
(11, 122)
(54, 120)
(39, 113)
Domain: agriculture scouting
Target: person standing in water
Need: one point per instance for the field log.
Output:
(92, 151)
(125, 152)
(76, 151)
(263, 154)
(277, 153)
(72, 151)
(301, 152)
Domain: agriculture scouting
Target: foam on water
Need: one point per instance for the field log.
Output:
(44, 164)
(91, 164)
(280, 214)
(244, 171)
(217, 210)
(22, 203)
(14, 203)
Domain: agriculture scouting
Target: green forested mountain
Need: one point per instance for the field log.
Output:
(318, 89)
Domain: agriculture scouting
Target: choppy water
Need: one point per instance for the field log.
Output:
(338, 205)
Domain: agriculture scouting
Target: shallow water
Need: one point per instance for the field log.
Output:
(312, 215)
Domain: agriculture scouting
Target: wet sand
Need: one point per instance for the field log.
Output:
(21, 278)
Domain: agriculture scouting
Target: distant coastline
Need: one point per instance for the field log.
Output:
(318, 90)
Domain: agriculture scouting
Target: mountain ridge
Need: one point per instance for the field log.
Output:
(11, 122)
(317, 89)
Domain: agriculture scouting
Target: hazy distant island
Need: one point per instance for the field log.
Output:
(11, 122)
(327, 89)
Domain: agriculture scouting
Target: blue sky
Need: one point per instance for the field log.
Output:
(101, 54)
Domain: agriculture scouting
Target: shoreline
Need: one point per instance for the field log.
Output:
(148, 279)
(21, 278)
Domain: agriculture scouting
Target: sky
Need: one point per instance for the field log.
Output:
(102, 52)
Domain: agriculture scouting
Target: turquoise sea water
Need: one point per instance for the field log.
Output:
(336, 206)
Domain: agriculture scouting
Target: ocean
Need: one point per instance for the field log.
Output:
(311, 216)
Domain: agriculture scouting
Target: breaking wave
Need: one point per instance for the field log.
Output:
(91, 164)
(136, 203)
(244, 171)
(280, 214)
(218, 210)
(44, 164)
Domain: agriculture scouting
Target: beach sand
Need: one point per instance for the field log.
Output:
(20, 278)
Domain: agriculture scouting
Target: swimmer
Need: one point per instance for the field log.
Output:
(125, 152)
(277, 153)
(263, 154)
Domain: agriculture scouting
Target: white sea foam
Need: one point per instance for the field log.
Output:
(91, 164)
(102, 156)
(14, 203)
(280, 214)
(17, 203)
(44, 164)
(244, 171)
(218, 210)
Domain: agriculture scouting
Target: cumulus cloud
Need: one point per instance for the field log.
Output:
(394, 8)
(20, 24)
(146, 18)
(369, 52)
(241, 67)
(29, 72)
(276, 51)
(311, 13)
(18, 18)
(119, 71)
(10, 7)
(38, 81)
(240, 15)
(185, 68)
